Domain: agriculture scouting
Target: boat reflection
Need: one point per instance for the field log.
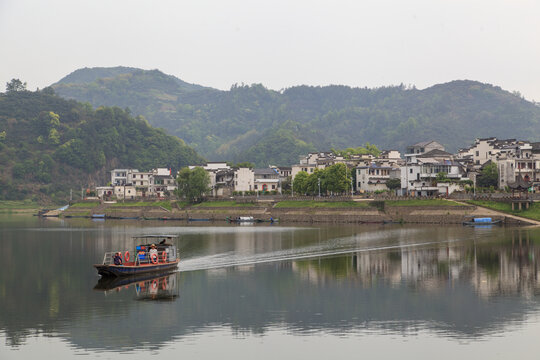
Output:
(154, 287)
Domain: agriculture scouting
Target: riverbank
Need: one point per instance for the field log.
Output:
(414, 211)
(18, 207)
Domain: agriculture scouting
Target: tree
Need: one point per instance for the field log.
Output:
(337, 179)
(15, 85)
(489, 176)
(300, 182)
(316, 181)
(193, 184)
(245, 164)
(442, 176)
(393, 184)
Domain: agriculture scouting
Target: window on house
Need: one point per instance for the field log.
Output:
(477, 153)
(273, 186)
(255, 187)
(410, 171)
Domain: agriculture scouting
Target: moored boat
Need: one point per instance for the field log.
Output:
(244, 219)
(482, 221)
(143, 259)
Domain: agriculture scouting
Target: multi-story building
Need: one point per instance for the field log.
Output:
(266, 179)
(132, 183)
(244, 179)
(162, 183)
(419, 175)
(374, 176)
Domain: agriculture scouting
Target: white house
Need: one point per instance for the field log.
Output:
(266, 179)
(244, 179)
(418, 176)
(374, 177)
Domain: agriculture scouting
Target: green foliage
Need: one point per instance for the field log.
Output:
(193, 184)
(489, 176)
(532, 213)
(393, 184)
(244, 164)
(421, 202)
(320, 204)
(367, 149)
(277, 147)
(46, 139)
(300, 183)
(212, 204)
(164, 204)
(335, 179)
(15, 85)
(252, 123)
(442, 176)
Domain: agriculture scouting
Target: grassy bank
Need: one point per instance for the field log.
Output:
(212, 204)
(532, 213)
(164, 204)
(85, 205)
(322, 204)
(421, 202)
(10, 206)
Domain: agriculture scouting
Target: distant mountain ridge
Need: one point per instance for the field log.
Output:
(252, 123)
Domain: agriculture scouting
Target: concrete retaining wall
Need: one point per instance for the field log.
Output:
(405, 214)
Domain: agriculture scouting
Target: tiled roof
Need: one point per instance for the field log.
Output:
(434, 153)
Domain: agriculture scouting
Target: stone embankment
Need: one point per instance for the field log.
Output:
(266, 211)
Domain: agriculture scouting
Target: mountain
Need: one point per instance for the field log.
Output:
(49, 145)
(252, 123)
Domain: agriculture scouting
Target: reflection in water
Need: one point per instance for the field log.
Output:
(374, 280)
(146, 286)
(491, 267)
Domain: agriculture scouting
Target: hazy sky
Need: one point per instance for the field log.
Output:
(278, 43)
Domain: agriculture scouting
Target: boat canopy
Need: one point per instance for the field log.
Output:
(155, 236)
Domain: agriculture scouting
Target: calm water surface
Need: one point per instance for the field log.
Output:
(317, 291)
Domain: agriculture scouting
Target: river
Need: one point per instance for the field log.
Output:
(271, 291)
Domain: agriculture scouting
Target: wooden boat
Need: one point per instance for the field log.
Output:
(141, 261)
(482, 222)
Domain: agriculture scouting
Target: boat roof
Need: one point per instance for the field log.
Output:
(154, 236)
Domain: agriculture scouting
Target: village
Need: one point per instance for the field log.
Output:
(425, 170)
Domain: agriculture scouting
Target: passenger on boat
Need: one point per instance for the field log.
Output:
(153, 250)
(117, 259)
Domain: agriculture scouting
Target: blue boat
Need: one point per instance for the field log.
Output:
(142, 260)
(482, 221)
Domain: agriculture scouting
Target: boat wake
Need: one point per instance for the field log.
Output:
(232, 259)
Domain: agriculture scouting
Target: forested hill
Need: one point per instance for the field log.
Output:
(252, 123)
(49, 145)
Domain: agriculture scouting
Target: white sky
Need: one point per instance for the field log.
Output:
(278, 43)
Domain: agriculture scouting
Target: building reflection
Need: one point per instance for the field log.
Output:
(493, 268)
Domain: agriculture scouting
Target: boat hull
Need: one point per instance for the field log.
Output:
(473, 223)
(129, 270)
